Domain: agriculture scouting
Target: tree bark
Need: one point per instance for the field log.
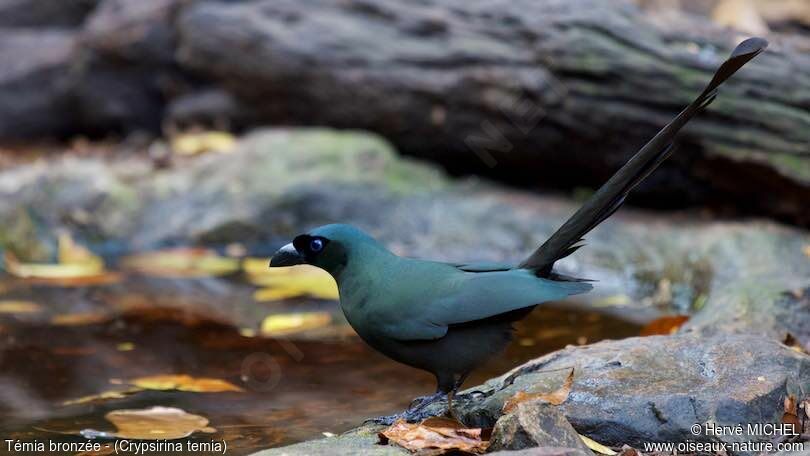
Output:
(551, 92)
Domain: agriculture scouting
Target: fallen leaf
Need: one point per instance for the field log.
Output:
(201, 142)
(79, 319)
(184, 383)
(555, 397)
(125, 346)
(794, 344)
(437, 436)
(290, 282)
(155, 423)
(14, 307)
(596, 446)
(741, 15)
(615, 300)
(664, 326)
(181, 263)
(75, 263)
(791, 414)
(103, 396)
(285, 324)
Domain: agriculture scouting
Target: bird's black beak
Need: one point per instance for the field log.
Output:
(286, 256)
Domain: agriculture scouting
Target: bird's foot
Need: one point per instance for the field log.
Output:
(416, 411)
(410, 416)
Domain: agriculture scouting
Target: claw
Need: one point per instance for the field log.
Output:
(415, 412)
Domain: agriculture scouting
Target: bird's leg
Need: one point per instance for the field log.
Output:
(456, 385)
(423, 401)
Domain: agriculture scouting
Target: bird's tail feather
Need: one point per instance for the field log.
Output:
(612, 194)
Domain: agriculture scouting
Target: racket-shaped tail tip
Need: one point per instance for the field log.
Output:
(750, 47)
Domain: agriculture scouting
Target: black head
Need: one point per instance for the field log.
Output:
(328, 247)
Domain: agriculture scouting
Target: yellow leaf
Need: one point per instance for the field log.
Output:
(79, 319)
(106, 395)
(555, 397)
(198, 143)
(75, 262)
(125, 346)
(182, 262)
(184, 383)
(596, 446)
(12, 307)
(283, 324)
(290, 282)
(155, 423)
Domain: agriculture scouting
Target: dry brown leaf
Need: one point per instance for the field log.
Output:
(17, 307)
(795, 345)
(664, 326)
(791, 414)
(184, 383)
(155, 423)
(438, 436)
(181, 263)
(596, 446)
(292, 323)
(555, 397)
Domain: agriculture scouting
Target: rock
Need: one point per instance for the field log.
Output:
(535, 425)
(33, 82)
(361, 441)
(47, 13)
(546, 451)
(654, 389)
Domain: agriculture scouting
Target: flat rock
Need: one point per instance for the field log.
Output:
(655, 389)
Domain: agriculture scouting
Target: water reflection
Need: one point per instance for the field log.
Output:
(324, 380)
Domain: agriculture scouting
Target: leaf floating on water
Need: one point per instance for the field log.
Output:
(181, 263)
(103, 396)
(555, 397)
(664, 326)
(437, 436)
(155, 423)
(290, 282)
(19, 307)
(202, 142)
(185, 383)
(596, 446)
(285, 324)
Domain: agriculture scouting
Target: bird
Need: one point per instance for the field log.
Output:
(449, 318)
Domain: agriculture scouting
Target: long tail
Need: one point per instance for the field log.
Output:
(611, 195)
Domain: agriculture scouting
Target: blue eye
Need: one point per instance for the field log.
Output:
(316, 245)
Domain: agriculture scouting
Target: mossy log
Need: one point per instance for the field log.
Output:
(542, 93)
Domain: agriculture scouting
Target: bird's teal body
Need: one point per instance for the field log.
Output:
(422, 318)
(448, 318)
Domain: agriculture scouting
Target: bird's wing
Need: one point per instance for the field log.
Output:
(467, 297)
(483, 266)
